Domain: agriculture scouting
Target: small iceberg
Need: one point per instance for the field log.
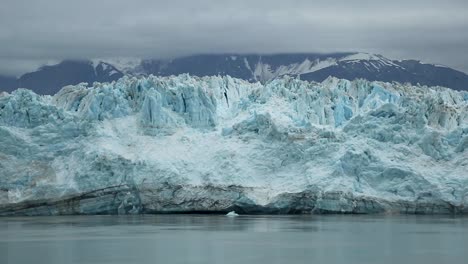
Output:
(232, 214)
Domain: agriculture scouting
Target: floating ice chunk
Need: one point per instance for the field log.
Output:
(232, 214)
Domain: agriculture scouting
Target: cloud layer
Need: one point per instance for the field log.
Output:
(33, 33)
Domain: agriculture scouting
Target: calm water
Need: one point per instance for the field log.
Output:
(244, 239)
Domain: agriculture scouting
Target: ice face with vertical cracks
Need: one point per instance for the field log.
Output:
(219, 144)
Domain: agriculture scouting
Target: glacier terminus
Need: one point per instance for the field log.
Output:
(185, 144)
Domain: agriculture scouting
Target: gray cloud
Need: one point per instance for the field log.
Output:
(36, 32)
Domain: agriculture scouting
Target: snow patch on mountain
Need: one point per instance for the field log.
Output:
(101, 67)
(306, 66)
(436, 65)
(376, 61)
(265, 72)
(126, 65)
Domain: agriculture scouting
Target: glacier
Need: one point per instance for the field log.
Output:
(184, 144)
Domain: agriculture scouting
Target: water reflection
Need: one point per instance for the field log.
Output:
(243, 239)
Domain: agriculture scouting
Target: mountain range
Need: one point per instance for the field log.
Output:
(251, 67)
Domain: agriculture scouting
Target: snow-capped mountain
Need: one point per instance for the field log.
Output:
(311, 67)
(263, 68)
(217, 144)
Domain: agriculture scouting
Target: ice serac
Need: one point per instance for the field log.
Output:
(219, 144)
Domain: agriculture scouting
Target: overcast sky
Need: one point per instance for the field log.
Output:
(35, 32)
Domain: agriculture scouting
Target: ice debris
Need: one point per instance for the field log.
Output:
(232, 214)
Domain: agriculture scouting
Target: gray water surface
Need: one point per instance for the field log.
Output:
(243, 239)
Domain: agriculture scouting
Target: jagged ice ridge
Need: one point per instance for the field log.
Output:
(217, 144)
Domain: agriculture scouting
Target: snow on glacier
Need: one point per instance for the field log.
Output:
(384, 141)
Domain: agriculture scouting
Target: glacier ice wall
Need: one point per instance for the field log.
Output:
(214, 144)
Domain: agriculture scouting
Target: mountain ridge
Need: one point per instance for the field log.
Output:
(250, 67)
